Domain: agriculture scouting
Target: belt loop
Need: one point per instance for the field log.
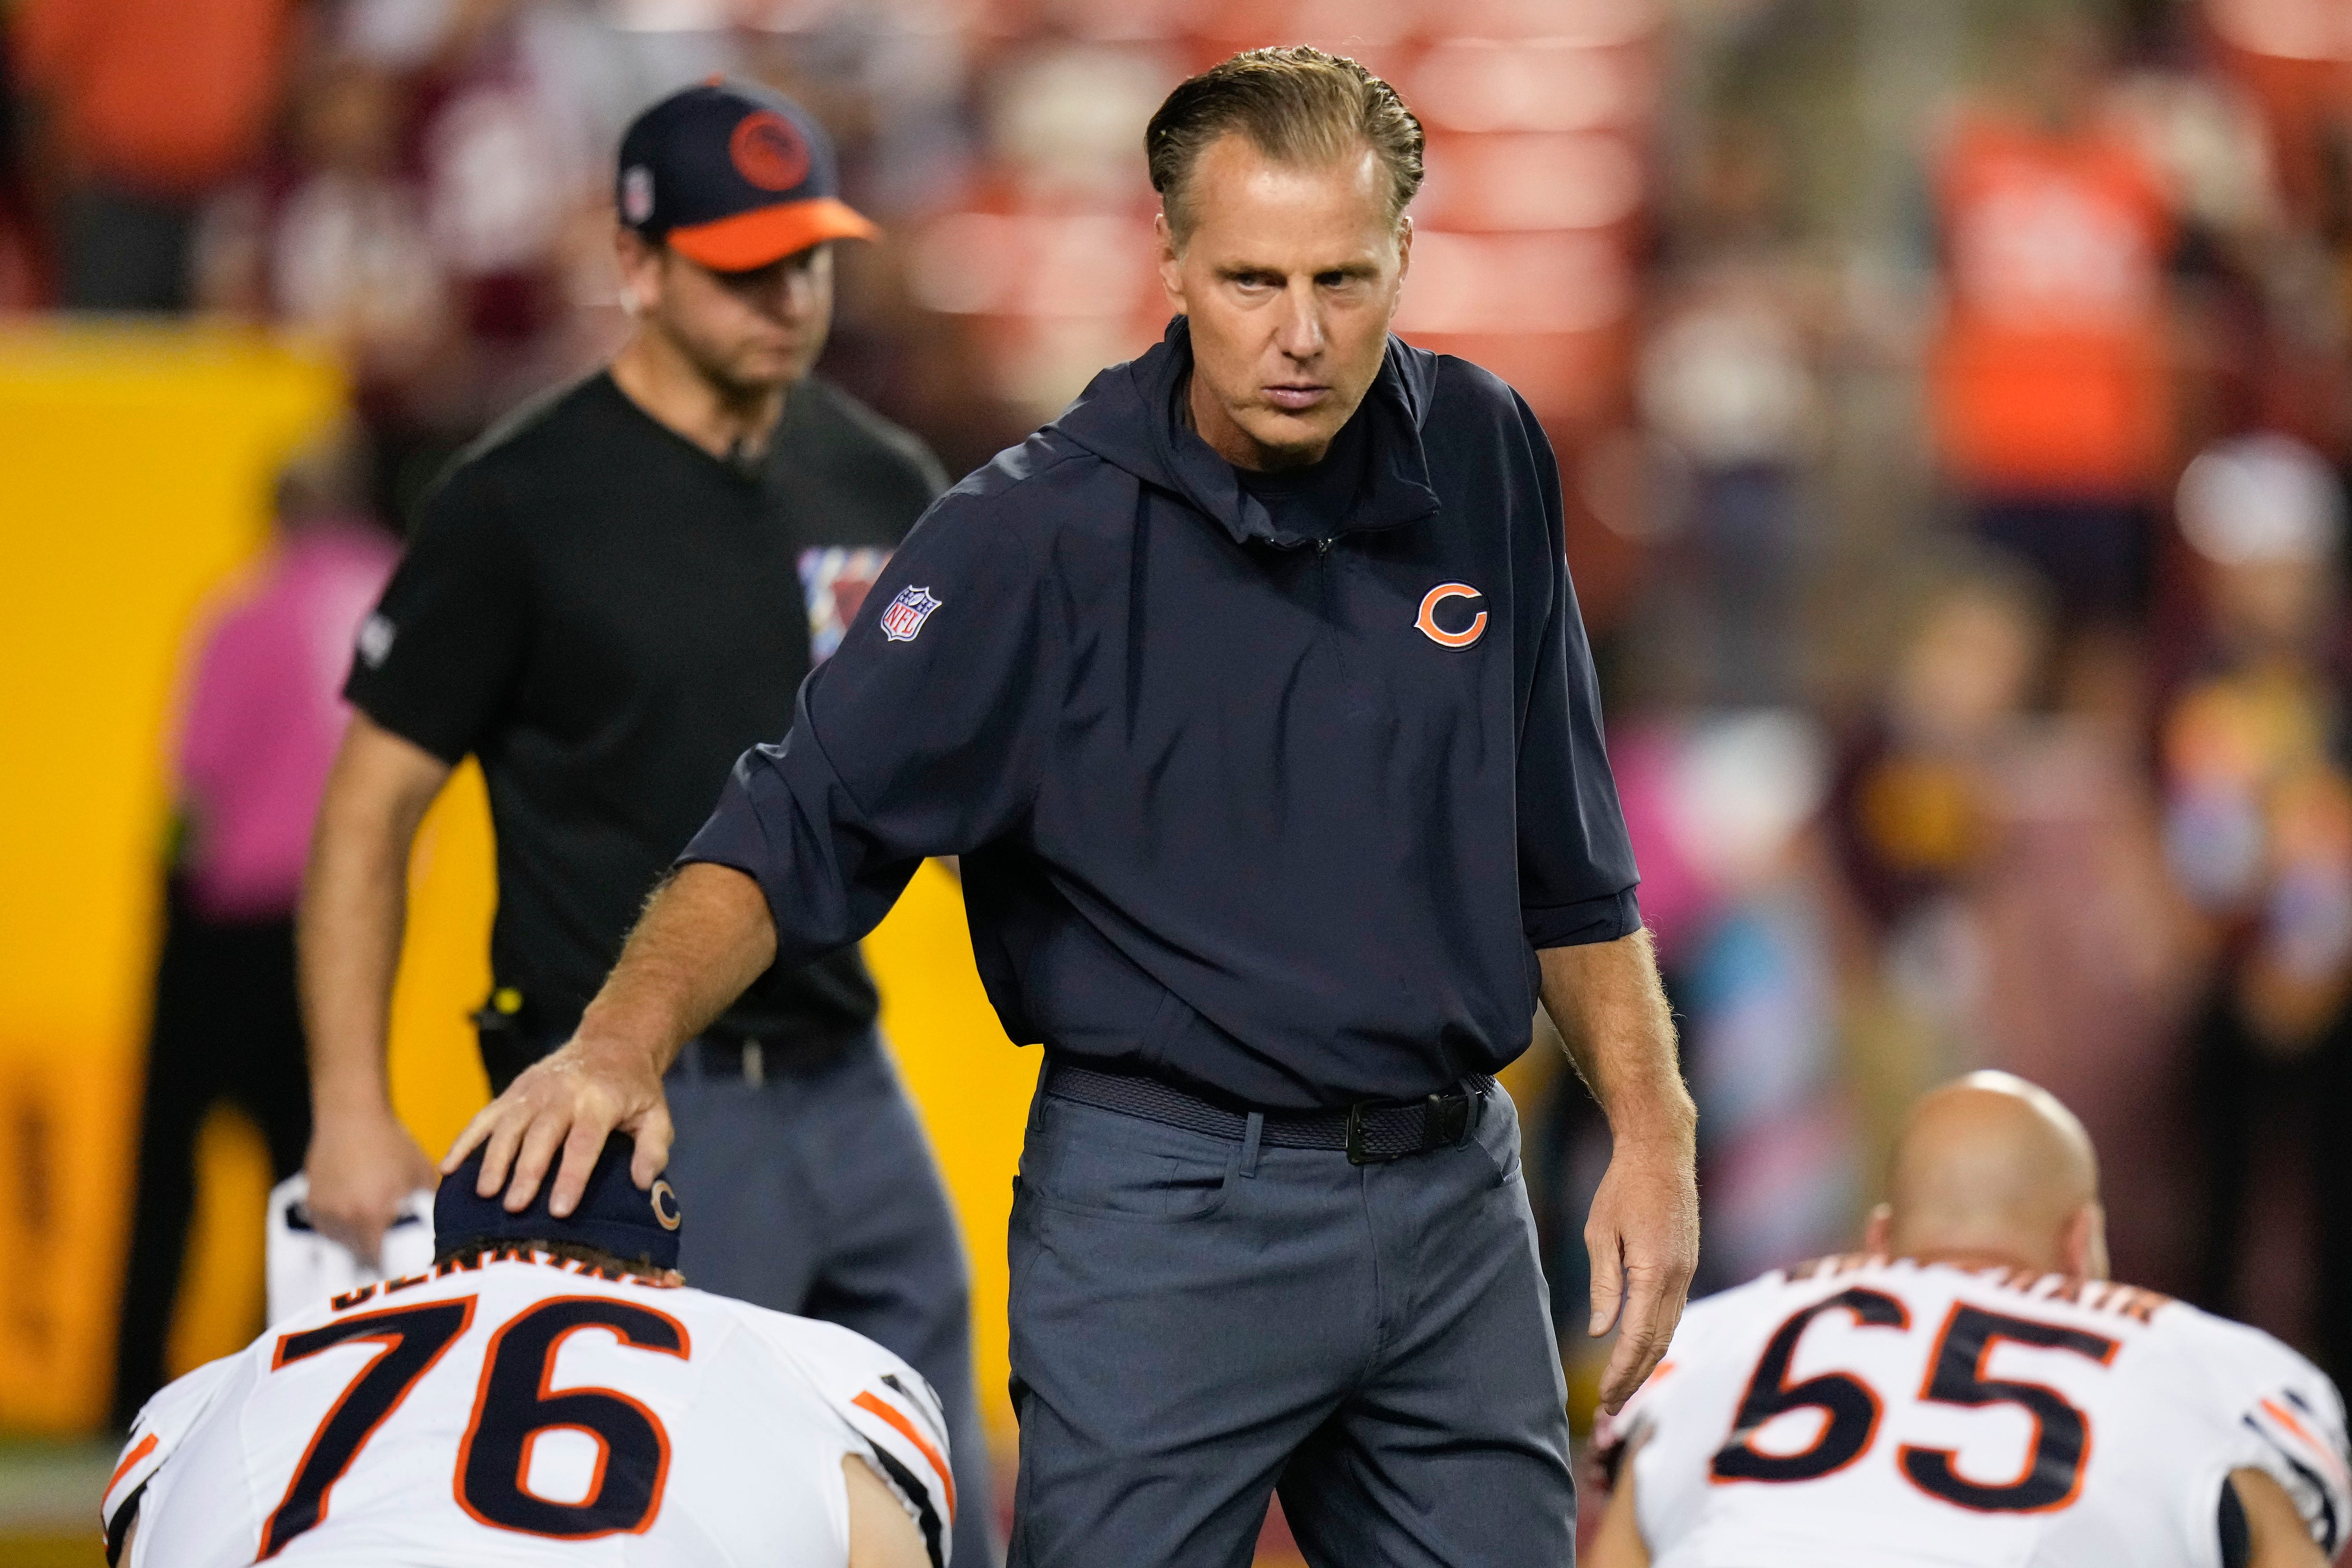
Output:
(755, 1064)
(1250, 1136)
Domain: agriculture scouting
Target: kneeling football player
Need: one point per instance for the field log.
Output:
(1972, 1389)
(546, 1383)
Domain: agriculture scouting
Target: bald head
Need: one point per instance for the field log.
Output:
(1994, 1168)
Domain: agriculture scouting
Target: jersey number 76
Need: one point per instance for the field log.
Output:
(513, 1405)
(2051, 1473)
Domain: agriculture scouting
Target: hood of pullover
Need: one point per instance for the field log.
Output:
(1130, 416)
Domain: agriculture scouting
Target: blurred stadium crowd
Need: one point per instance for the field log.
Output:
(1955, 399)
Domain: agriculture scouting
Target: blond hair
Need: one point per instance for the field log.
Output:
(1295, 105)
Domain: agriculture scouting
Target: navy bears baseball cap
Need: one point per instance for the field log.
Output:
(614, 1215)
(734, 176)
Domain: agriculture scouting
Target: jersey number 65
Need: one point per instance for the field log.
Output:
(2061, 1444)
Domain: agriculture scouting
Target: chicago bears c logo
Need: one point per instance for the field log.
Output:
(768, 151)
(666, 1210)
(1427, 621)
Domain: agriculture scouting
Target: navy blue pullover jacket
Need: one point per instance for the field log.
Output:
(1266, 816)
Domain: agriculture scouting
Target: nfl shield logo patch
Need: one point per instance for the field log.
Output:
(906, 613)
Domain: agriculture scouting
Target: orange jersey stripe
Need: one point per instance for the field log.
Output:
(2285, 1417)
(144, 1447)
(906, 1428)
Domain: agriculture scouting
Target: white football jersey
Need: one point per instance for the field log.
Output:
(516, 1409)
(1880, 1413)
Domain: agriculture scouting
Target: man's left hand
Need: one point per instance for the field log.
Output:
(1643, 1240)
(1642, 1236)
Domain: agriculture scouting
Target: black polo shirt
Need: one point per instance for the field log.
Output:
(607, 616)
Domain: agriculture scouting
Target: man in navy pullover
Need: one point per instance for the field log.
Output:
(1253, 695)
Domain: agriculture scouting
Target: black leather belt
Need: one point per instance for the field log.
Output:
(1372, 1131)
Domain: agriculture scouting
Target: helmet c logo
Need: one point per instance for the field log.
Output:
(666, 1210)
(1427, 621)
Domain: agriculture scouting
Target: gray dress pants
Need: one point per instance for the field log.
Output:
(814, 1193)
(1199, 1321)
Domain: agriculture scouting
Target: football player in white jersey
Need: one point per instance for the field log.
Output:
(548, 1392)
(1972, 1390)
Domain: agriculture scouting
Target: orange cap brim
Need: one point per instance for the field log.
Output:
(756, 238)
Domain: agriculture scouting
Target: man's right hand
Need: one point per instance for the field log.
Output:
(361, 1169)
(571, 1103)
(704, 935)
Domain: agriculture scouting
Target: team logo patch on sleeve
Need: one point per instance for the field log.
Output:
(906, 613)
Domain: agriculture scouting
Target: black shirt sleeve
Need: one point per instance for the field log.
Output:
(1576, 864)
(438, 658)
(925, 742)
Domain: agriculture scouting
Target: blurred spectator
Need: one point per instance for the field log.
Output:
(1043, 266)
(1724, 810)
(2258, 333)
(2050, 378)
(2006, 863)
(339, 249)
(1757, 986)
(1917, 798)
(148, 106)
(2258, 816)
(435, 208)
(261, 720)
(1726, 381)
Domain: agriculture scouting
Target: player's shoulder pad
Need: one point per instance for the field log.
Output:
(886, 1402)
(2235, 1356)
(898, 1416)
(163, 1423)
(2280, 1412)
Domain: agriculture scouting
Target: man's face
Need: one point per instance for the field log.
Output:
(747, 332)
(1290, 277)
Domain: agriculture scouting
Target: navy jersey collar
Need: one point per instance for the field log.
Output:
(1129, 416)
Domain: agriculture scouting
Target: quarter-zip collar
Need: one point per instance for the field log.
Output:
(1129, 416)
